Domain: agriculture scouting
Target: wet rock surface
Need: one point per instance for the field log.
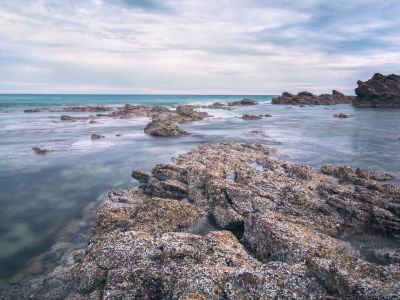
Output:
(166, 123)
(229, 221)
(307, 98)
(380, 91)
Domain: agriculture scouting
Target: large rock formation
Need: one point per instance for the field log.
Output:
(307, 98)
(379, 91)
(228, 221)
(166, 123)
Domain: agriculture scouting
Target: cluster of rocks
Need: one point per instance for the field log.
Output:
(166, 123)
(229, 105)
(379, 91)
(71, 109)
(229, 221)
(307, 98)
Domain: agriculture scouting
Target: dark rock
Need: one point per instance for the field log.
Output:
(379, 91)
(162, 125)
(243, 102)
(342, 116)
(251, 117)
(68, 118)
(96, 136)
(41, 151)
(189, 114)
(93, 122)
(141, 176)
(307, 98)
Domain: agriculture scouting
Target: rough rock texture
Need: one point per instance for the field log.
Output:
(307, 98)
(379, 91)
(243, 102)
(164, 125)
(228, 221)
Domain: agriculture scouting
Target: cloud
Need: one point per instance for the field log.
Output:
(193, 46)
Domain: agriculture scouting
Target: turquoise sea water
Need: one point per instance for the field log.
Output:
(41, 196)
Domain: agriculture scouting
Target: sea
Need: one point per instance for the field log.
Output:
(43, 196)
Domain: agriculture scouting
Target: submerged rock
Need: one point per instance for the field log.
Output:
(379, 91)
(251, 117)
(342, 116)
(269, 230)
(307, 98)
(41, 151)
(96, 136)
(68, 118)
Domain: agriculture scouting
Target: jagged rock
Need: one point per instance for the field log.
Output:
(307, 98)
(96, 136)
(189, 114)
(229, 221)
(141, 176)
(243, 102)
(379, 91)
(163, 125)
(41, 151)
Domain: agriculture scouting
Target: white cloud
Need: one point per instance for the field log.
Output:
(187, 47)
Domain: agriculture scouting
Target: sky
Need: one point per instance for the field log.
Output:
(195, 46)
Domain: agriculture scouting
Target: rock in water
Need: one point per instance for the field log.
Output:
(269, 230)
(96, 136)
(342, 116)
(243, 102)
(163, 125)
(251, 117)
(307, 98)
(379, 91)
(41, 151)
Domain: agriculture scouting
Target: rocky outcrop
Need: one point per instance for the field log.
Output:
(307, 98)
(164, 125)
(228, 221)
(243, 102)
(379, 91)
(71, 109)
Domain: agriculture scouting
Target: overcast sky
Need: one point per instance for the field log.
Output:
(195, 46)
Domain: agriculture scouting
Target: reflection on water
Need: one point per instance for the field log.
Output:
(41, 195)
